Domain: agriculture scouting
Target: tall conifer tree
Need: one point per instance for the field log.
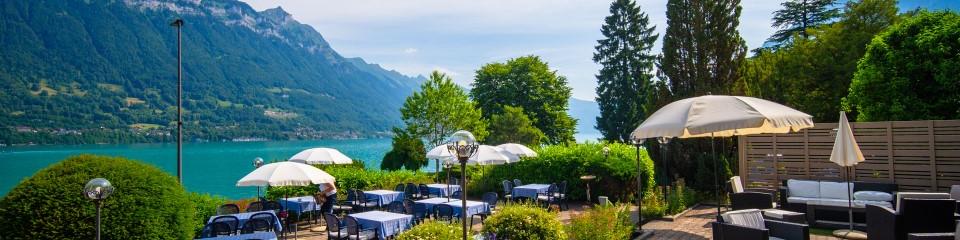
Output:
(799, 15)
(624, 80)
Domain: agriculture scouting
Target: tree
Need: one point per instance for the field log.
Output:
(529, 83)
(441, 108)
(624, 81)
(799, 15)
(407, 152)
(910, 71)
(513, 126)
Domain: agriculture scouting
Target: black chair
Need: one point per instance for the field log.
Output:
(363, 203)
(399, 187)
(561, 195)
(914, 216)
(491, 199)
(355, 231)
(272, 205)
(228, 208)
(255, 206)
(456, 194)
(420, 212)
(770, 228)
(751, 200)
(507, 190)
(396, 207)
(412, 192)
(225, 225)
(342, 207)
(254, 225)
(444, 212)
(268, 219)
(550, 197)
(424, 191)
(334, 228)
(517, 183)
(207, 231)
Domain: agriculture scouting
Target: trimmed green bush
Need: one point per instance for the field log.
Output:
(524, 222)
(205, 206)
(616, 173)
(601, 222)
(355, 177)
(433, 230)
(147, 203)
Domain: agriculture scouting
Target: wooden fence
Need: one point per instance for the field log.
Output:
(916, 155)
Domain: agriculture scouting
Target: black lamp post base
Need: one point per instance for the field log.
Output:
(641, 234)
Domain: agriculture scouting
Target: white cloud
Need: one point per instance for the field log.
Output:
(410, 50)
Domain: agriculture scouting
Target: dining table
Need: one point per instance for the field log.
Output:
(384, 197)
(247, 236)
(442, 190)
(243, 217)
(530, 190)
(473, 207)
(299, 204)
(387, 223)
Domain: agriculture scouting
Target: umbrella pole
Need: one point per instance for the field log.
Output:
(849, 199)
(716, 174)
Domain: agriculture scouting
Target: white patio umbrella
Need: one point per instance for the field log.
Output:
(846, 153)
(518, 149)
(285, 174)
(488, 155)
(720, 116)
(321, 156)
(439, 153)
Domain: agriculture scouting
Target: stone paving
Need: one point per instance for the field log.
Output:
(695, 224)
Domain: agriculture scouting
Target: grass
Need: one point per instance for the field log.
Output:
(821, 232)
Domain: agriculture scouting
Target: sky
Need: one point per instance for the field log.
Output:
(416, 37)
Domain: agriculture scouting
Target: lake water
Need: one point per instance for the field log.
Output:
(207, 167)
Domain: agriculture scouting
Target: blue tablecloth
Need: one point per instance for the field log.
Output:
(385, 196)
(246, 216)
(430, 202)
(473, 207)
(530, 190)
(300, 204)
(441, 189)
(387, 223)
(256, 235)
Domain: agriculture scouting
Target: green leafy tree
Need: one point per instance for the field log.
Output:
(407, 152)
(441, 108)
(624, 81)
(910, 71)
(529, 83)
(799, 15)
(513, 126)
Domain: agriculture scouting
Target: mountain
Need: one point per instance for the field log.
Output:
(81, 71)
(586, 113)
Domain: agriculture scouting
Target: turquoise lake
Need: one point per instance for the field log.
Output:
(212, 167)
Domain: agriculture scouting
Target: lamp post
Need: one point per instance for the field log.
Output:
(463, 146)
(637, 143)
(257, 163)
(606, 152)
(663, 154)
(97, 190)
(178, 23)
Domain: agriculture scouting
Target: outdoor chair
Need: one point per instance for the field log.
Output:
(456, 194)
(444, 212)
(424, 191)
(912, 216)
(207, 231)
(748, 224)
(550, 197)
(225, 225)
(363, 203)
(420, 213)
(268, 219)
(399, 188)
(507, 190)
(228, 208)
(255, 206)
(396, 207)
(408, 206)
(255, 225)
(955, 194)
(342, 206)
(751, 200)
(334, 229)
(517, 183)
(561, 195)
(273, 206)
(355, 231)
(491, 199)
(411, 192)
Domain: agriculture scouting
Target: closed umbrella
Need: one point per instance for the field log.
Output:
(720, 116)
(846, 153)
(518, 149)
(321, 156)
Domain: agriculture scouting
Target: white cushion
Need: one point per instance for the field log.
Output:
(777, 213)
(775, 238)
(955, 191)
(803, 200)
(736, 184)
(919, 195)
(872, 196)
(835, 190)
(803, 188)
(831, 202)
(752, 218)
(864, 203)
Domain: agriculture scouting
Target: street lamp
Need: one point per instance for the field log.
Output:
(606, 152)
(637, 143)
(178, 23)
(257, 163)
(463, 145)
(97, 190)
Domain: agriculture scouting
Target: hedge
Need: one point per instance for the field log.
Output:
(524, 222)
(147, 203)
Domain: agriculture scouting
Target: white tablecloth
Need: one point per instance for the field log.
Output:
(246, 216)
(387, 223)
(530, 190)
(473, 207)
(256, 235)
(441, 189)
(385, 196)
(300, 204)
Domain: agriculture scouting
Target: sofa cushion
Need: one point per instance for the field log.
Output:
(844, 203)
(864, 203)
(752, 218)
(873, 196)
(920, 195)
(803, 200)
(835, 190)
(803, 188)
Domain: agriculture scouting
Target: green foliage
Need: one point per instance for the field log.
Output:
(601, 222)
(408, 152)
(93, 55)
(147, 203)
(513, 126)
(432, 230)
(205, 206)
(441, 108)
(354, 177)
(616, 174)
(799, 15)
(524, 222)
(624, 81)
(529, 83)
(910, 71)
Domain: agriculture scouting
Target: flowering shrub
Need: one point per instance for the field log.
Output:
(432, 230)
